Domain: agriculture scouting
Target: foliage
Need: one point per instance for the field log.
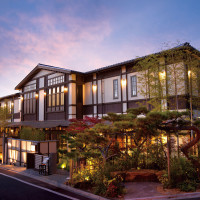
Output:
(28, 133)
(5, 115)
(63, 163)
(183, 175)
(115, 187)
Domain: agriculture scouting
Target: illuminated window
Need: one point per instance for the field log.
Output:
(29, 103)
(55, 99)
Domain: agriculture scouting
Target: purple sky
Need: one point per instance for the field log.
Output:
(87, 34)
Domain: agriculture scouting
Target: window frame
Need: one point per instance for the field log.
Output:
(29, 104)
(133, 86)
(55, 98)
(115, 89)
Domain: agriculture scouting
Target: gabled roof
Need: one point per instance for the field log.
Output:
(182, 46)
(37, 69)
(10, 96)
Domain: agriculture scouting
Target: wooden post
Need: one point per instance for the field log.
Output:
(168, 157)
(71, 171)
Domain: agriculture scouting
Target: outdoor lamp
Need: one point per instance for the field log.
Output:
(65, 89)
(94, 87)
(123, 82)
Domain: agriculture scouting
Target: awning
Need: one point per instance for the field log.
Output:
(40, 124)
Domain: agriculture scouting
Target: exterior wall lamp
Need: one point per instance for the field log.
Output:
(45, 93)
(94, 87)
(189, 73)
(36, 95)
(65, 89)
(162, 75)
(123, 81)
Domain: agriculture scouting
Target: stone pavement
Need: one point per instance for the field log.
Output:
(135, 190)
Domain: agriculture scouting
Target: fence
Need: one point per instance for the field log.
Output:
(16, 150)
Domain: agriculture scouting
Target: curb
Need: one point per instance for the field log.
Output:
(60, 185)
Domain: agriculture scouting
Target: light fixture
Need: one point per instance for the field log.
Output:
(189, 73)
(123, 82)
(65, 89)
(12, 104)
(94, 87)
(36, 95)
(45, 93)
(21, 98)
(162, 75)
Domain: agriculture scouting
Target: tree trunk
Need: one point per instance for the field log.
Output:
(168, 156)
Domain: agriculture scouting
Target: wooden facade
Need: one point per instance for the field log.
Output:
(49, 94)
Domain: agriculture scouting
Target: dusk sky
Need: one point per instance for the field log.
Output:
(87, 34)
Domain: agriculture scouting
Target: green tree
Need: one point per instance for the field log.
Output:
(28, 133)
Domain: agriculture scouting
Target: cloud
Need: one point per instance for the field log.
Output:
(55, 40)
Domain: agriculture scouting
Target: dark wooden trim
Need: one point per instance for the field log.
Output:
(16, 115)
(121, 91)
(97, 91)
(92, 96)
(126, 88)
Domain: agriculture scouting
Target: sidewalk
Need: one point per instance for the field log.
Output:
(135, 190)
(55, 180)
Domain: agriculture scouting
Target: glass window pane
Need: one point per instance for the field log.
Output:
(115, 88)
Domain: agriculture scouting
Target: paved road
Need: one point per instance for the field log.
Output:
(14, 186)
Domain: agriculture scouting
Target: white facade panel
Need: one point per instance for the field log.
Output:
(55, 75)
(17, 120)
(95, 109)
(88, 93)
(31, 82)
(94, 90)
(16, 105)
(108, 89)
(99, 91)
(140, 86)
(42, 73)
(124, 107)
(123, 83)
(41, 105)
(41, 82)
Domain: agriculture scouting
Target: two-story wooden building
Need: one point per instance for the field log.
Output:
(49, 96)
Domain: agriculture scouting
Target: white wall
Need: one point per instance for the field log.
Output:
(55, 75)
(72, 96)
(88, 93)
(42, 73)
(16, 105)
(41, 105)
(31, 82)
(140, 95)
(108, 90)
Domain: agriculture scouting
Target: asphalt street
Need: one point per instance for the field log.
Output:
(17, 187)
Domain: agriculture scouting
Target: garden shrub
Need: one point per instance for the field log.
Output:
(183, 175)
(115, 187)
(28, 133)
